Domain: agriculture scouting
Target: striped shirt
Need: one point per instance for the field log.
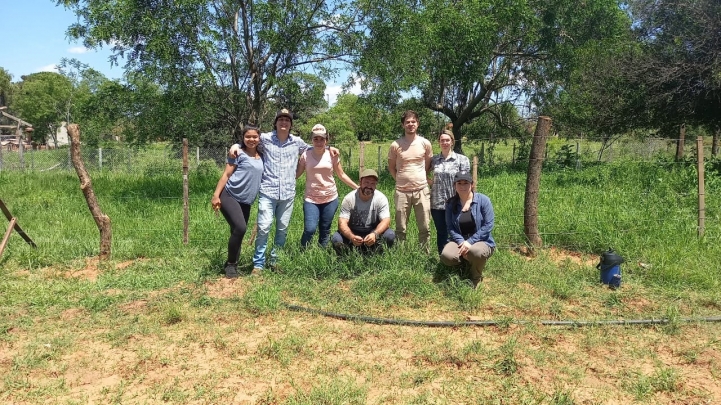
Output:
(279, 164)
(444, 170)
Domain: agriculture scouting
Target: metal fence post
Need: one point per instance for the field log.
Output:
(100, 158)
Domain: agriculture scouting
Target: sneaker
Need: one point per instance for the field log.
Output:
(231, 270)
(256, 272)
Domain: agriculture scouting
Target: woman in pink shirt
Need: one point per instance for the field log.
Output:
(321, 193)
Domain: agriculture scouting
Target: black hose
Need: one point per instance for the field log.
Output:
(438, 324)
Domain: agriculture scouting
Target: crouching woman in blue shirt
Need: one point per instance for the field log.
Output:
(469, 216)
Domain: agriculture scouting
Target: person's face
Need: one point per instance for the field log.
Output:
(251, 138)
(445, 142)
(463, 186)
(283, 123)
(319, 141)
(368, 186)
(410, 125)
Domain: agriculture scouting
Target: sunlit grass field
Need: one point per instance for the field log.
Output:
(646, 211)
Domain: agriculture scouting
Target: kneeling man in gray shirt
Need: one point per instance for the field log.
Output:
(364, 219)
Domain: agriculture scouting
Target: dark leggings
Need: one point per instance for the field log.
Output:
(237, 215)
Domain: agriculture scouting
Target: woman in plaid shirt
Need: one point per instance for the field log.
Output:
(444, 167)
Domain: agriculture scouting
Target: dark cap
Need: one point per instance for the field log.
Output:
(463, 176)
(369, 173)
(284, 113)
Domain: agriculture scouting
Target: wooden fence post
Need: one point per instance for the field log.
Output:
(681, 140)
(475, 172)
(379, 160)
(101, 220)
(361, 157)
(714, 142)
(186, 216)
(533, 182)
(13, 225)
(701, 187)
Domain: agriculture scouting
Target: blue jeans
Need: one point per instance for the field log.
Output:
(269, 208)
(318, 216)
(439, 220)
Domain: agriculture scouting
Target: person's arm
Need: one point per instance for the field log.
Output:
(373, 237)
(215, 201)
(345, 230)
(392, 161)
(429, 173)
(338, 168)
(234, 151)
(484, 228)
(429, 155)
(464, 163)
(300, 168)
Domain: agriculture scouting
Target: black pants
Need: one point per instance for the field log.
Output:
(237, 215)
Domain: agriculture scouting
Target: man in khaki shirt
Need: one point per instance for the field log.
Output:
(409, 160)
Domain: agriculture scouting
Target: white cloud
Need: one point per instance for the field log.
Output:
(332, 91)
(49, 68)
(78, 50)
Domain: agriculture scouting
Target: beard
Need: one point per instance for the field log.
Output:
(367, 191)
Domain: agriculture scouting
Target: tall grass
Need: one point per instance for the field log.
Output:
(644, 210)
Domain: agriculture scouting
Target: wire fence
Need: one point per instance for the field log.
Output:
(167, 159)
(580, 228)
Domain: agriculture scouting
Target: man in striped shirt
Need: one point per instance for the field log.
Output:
(277, 186)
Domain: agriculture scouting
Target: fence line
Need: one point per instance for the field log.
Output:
(156, 159)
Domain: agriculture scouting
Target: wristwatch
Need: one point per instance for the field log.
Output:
(378, 236)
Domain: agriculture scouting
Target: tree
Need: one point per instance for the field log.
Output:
(241, 50)
(598, 101)
(43, 99)
(468, 58)
(5, 87)
(680, 63)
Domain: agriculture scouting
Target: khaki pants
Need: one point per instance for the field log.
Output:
(420, 201)
(477, 256)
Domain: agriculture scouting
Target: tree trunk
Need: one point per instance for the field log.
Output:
(101, 220)
(458, 147)
(533, 182)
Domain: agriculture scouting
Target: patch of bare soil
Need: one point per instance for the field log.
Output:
(559, 256)
(236, 358)
(93, 267)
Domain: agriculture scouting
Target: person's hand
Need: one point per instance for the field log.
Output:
(357, 240)
(334, 152)
(215, 203)
(463, 249)
(370, 239)
(234, 151)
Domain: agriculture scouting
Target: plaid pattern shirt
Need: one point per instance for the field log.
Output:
(444, 170)
(279, 164)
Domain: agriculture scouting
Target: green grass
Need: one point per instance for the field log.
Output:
(156, 287)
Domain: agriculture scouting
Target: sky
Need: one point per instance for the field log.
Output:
(34, 40)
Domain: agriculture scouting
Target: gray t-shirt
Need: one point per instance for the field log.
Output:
(244, 183)
(364, 216)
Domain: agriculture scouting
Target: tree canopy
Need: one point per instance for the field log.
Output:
(468, 58)
(43, 99)
(242, 50)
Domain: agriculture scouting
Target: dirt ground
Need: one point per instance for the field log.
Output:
(228, 356)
